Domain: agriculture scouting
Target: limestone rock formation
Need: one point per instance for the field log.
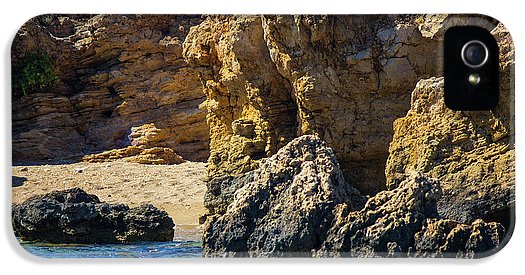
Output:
(284, 207)
(148, 135)
(44, 127)
(351, 77)
(271, 78)
(116, 72)
(439, 238)
(387, 223)
(137, 154)
(470, 152)
(73, 216)
(250, 109)
(435, 25)
(145, 140)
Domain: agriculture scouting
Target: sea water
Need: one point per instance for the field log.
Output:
(175, 249)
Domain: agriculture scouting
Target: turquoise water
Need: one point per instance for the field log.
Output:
(175, 249)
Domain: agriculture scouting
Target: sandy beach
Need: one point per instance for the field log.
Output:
(177, 189)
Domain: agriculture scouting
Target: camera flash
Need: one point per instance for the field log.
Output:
(474, 79)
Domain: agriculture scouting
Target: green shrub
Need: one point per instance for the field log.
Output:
(33, 73)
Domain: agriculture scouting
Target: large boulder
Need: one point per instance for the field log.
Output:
(74, 216)
(283, 208)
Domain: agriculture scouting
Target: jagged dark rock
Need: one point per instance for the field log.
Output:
(74, 216)
(298, 204)
(283, 208)
(220, 191)
(387, 223)
(447, 238)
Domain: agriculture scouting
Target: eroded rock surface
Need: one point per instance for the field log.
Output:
(283, 208)
(472, 153)
(387, 223)
(137, 154)
(73, 216)
(351, 77)
(440, 238)
(250, 109)
(116, 72)
(146, 148)
(298, 204)
(272, 78)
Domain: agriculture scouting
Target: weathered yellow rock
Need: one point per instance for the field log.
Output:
(472, 153)
(116, 72)
(137, 154)
(148, 135)
(343, 78)
(250, 108)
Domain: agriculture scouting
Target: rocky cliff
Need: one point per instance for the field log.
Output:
(115, 72)
(369, 87)
(472, 153)
(268, 79)
(272, 78)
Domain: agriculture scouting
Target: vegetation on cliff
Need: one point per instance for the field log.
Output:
(33, 73)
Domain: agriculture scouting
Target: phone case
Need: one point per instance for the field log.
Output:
(254, 136)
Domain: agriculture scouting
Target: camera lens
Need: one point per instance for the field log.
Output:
(474, 54)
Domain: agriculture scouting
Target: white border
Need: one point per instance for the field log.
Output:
(15, 13)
